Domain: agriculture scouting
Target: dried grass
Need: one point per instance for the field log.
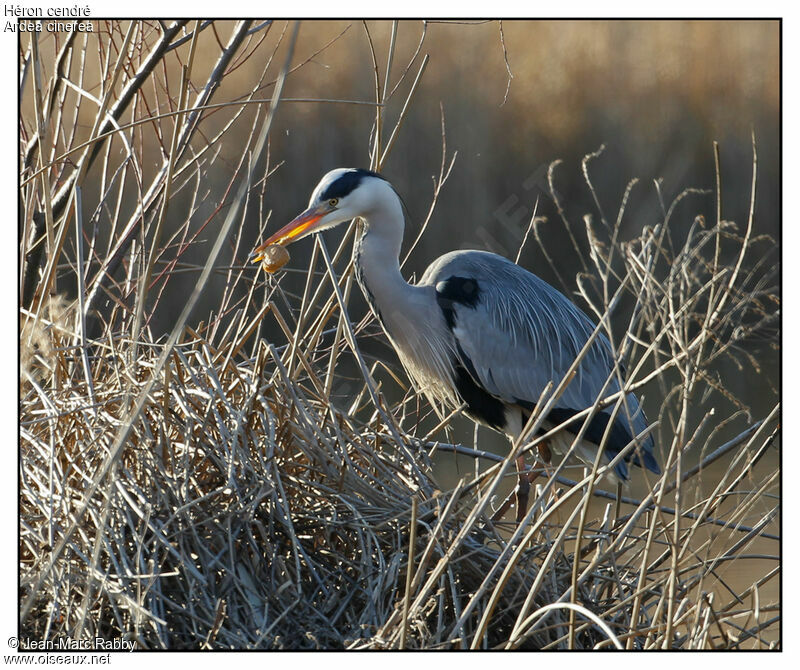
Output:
(212, 491)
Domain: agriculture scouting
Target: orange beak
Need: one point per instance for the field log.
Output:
(292, 231)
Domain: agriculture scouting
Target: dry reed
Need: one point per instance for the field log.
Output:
(216, 490)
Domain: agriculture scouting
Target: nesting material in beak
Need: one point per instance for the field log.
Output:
(294, 230)
(273, 258)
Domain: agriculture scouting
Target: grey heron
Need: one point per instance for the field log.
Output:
(478, 330)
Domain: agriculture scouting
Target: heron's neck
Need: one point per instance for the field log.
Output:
(377, 259)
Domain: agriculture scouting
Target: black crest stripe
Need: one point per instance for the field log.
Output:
(345, 184)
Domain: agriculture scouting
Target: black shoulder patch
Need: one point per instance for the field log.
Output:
(345, 184)
(456, 290)
(463, 290)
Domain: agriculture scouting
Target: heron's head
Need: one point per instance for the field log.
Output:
(341, 195)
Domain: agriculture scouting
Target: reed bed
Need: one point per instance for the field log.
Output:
(215, 488)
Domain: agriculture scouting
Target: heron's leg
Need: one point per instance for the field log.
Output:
(545, 457)
(523, 488)
(544, 453)
(521, 492)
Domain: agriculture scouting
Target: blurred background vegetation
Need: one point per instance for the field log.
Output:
(509, 98)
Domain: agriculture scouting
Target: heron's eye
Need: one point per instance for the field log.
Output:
(333, 202)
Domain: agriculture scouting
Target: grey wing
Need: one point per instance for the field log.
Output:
(515, 333)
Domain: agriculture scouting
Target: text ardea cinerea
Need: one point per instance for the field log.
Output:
(477, 330)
